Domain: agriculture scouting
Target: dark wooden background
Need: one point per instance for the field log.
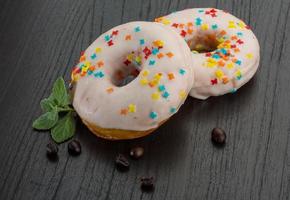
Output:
(40, 40)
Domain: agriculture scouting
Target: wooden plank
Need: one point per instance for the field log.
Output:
(41, 40)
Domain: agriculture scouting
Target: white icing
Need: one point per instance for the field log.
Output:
(96, 105)
(203, 18)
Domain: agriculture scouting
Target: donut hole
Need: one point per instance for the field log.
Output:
(127, 71)
(203, 43)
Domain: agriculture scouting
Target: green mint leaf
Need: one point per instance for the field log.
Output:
(64, 109)
(59, 92)
(46, 121)
(47, 104)
(64, 129)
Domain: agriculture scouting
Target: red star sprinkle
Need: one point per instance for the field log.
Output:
(183, 33)
(214, 81)
(239, 41)
(76, 70)
(208, 54)
(115, 32)
(211, 12)
(110, 43)
(127, 62)
(147, 51)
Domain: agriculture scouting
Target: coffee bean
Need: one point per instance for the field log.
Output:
(74, 148)
(122, 163)
(147, 183)
(137, 152)
(51, 151)
(218, 136)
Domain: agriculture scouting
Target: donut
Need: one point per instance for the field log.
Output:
(131, 79)
(225, 52)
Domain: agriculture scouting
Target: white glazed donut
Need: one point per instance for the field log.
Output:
(226, 52)
(113, 111)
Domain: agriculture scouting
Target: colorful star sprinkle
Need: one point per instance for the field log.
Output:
(182, 71)
(99, 74)
(172, 110)
(153, 115)
(137, 29)
(155, 96)
(170, 76)
(161, 88)
(212, 12)
(132, 108)
(182, 94)
(110, 90)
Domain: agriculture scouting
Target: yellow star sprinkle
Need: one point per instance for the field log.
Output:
(241, 24)
(87, 63)
(230, 65)
(182, 94)
(85, 69)
(211, 62)
(155, 96)
(238, 73)
(232, 24)
(220, 40)
(204, 27)
(130, 57)
(154, 82)
(98, 50)
(165, 21)
(132, 108)
(157, 76)
(138, 59)
(249, 56)
(143, 81)
(219, 73)
(145, 72)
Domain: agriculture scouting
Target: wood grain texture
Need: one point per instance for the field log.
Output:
(40, 40)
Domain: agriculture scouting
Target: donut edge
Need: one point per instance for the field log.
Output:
(118, 134)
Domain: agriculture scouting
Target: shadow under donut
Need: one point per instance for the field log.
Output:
(170, 142)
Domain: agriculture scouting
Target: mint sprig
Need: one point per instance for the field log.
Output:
(62, 127)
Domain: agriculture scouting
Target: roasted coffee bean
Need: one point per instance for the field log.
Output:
(147, 183)
(218, 136)
(122, 163)
(51, 151)
(137, 152)
(74, 148)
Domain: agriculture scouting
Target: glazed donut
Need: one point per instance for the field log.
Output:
(226, 53)
(156, 61)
